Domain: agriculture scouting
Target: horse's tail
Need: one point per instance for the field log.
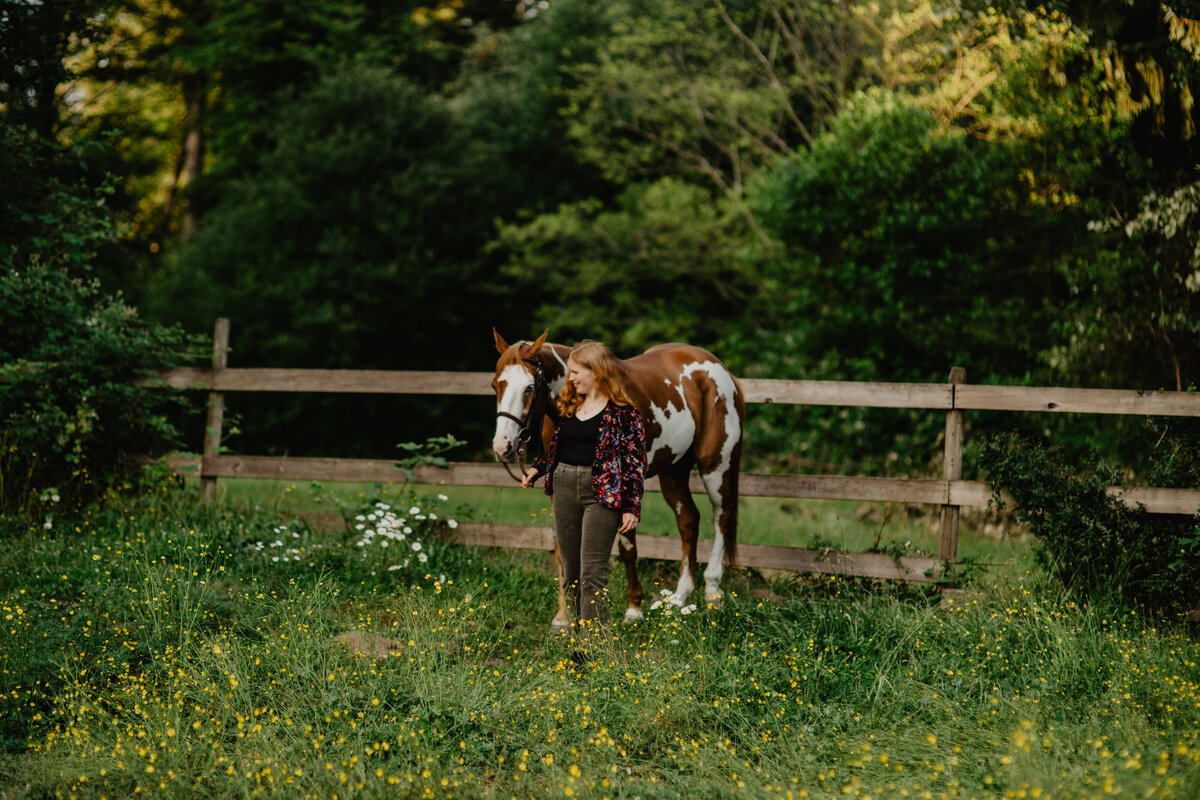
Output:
(735, 469)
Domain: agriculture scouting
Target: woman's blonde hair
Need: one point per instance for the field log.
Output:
(604, 366)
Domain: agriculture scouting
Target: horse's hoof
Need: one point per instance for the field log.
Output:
(633, 615)
(714, 599)
(560, 628)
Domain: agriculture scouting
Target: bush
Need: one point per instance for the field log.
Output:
(1095, 544)
(69, 410)
(69, 407)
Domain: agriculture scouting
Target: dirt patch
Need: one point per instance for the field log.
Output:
(371, 644)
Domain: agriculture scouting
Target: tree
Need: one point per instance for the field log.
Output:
(371, 194)
(665, 265)
(191, 89)
(510, 97)
(35, 40)
(910, 248)
(1132, 281)
(69, 410)
(931, 226)
(357, 245)
(710, 92)
(50, 199)
(144, 79)
(1135, 319)
(1149, 53)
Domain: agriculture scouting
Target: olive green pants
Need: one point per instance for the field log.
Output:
(585, 531)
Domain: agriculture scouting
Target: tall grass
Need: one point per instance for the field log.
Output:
(158, 651)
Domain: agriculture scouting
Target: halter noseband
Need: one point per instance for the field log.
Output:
(530, 424)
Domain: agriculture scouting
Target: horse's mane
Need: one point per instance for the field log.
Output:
(512, 355)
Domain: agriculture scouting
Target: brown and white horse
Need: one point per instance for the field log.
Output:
(693, 409)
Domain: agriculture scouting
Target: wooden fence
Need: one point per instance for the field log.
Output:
(950, 493)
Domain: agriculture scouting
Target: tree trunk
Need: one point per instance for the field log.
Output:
(195, 95)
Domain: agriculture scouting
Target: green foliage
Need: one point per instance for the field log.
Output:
(427, 453)
(1135, 316)
(1148, 52)
(1177, 452)
(369, 182)
(904, 254)
(709, 91)
(907, 249)
(52, 208)
(348, 249)
(190, 93)
(926, 229)
(70, 411)
(665, 265)
(678, 105)
(364, 174)
(510, 97)
(261, 56)
(1096, 545)
(35, 38)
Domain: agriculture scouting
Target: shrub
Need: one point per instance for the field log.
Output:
(69, 352)
(69, 409)
(1095, 544)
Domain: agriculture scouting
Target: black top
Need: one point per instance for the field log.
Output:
(577, 440)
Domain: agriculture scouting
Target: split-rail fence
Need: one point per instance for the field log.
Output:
(951, 493)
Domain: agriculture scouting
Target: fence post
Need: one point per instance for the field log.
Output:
(216, 412)
(952, 471)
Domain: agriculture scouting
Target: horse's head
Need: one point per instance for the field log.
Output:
(524, 384)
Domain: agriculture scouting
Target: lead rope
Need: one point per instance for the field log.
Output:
(522, 438)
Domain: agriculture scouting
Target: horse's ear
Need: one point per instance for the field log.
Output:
(541, 340)
(501, 345)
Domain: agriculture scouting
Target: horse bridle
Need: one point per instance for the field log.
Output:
(529, 426)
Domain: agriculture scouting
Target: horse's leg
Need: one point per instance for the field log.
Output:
(627, 547)
(674, 485)
(720, 477)
(561, 623)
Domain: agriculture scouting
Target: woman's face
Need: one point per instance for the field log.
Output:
(582, 378)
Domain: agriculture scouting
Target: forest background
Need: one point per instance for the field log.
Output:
(848, 191)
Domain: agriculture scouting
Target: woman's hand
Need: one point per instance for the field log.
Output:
(629, 523)
(531, 474)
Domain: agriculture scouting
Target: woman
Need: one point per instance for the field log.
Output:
(594, 469)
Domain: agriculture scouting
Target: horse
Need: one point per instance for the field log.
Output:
(694, 412)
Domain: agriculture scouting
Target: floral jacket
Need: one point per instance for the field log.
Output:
(619, 468)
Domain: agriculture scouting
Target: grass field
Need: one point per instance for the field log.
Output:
(843, 524)
(158, 648)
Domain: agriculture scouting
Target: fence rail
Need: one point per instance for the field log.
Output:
(812, 487)
(951, 493)
(871, 394)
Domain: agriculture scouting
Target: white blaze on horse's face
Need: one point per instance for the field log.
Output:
(514, 385)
